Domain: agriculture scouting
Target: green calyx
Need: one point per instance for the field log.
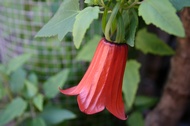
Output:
(113, 24)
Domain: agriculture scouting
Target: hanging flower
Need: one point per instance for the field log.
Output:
(101, 85)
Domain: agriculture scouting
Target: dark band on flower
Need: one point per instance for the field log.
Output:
(113, 43)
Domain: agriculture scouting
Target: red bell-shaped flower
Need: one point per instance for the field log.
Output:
(101, 85)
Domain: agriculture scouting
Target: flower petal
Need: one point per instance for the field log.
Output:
(115, 104)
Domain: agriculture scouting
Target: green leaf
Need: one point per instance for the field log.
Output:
(31, 89)
(162, 14)
(15, 109)
(2, 69)
(145, 101)
(82, 23)
(38, 101)
(180, 4)
(131, 81)
(87, 51)
(2, 91)
(33, 78)
(51, 86)
(17, 62)
(62, 22)
(150, 43)
(135, 119)
(54, 115)
(37, 121)
(131, 26)
(90, 2)
(17, 79)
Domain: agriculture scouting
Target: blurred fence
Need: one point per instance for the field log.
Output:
(20, 20)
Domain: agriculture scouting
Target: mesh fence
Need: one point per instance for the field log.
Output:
(20, 20)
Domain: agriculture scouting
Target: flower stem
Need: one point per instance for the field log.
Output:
(120, 36)
(126, 7)
(111, 19)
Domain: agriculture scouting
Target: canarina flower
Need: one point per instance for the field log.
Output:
(101, 85)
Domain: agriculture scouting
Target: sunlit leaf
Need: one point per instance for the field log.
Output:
(82, 23)
(162, 14)
(62, 22)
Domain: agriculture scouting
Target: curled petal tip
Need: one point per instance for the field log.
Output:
(124, 118)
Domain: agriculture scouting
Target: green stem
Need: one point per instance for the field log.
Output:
(102, 2)
(126, 6)
(111, 19)
(104, 19)
(7, 87)
(120, 36)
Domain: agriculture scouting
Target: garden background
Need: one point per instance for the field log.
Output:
(32, 69)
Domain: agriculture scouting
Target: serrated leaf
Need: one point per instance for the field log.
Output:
(15, 109)
(62, 22)
(54, 115)
(51, 86)
(150, 43)
(31, 89)
(162, 14)
(132, 26)
(179, 4)
(130, 82)
(135, 119)
(87, 51)
(17, 62)
(82, 23)
(38, 101)
(17, 79)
